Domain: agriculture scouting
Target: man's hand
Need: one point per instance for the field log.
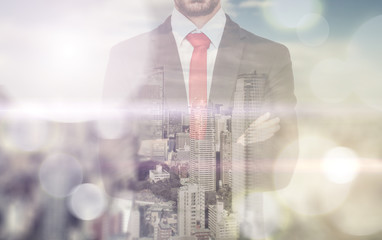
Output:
(260, 130)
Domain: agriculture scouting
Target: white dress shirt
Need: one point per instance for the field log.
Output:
(213, 29)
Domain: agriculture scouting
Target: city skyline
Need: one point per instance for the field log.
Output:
(53, 57)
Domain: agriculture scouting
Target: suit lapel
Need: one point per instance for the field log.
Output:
(168, 58)
(224, 75)
(227, 64)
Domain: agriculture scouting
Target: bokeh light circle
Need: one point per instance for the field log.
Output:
(288, 13)
(365, 52)
(341, 165)
(366, 41)
(87, 202)
(59, 174)
(332, 81)
(309, 192)
(313, 30)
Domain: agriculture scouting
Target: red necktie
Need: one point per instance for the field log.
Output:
(198, 85)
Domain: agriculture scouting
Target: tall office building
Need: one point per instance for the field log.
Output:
(174, 124)
(226, 158)
(134, 223)
(157, 150)
(182, 139)
(220, 126)
(221, 223)
(202, 149)
(185, 119)
(117, 221)
(183, 155)
(246, 170)
(151, 105)
(191, 202)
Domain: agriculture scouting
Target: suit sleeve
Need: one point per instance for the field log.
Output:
(279, 154)
(116, 123)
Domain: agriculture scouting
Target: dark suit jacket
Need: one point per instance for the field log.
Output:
(240, 52)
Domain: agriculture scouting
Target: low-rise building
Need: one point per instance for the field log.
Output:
(158, 174)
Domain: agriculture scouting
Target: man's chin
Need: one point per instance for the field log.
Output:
(197, 8)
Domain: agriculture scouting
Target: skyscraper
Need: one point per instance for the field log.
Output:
(202, 150)
(182, 139)
(151, 106)
(174, 124)
(226, 158)
(134, 223)
(191, 202)
(220, 126)
(221, 223)
(245, 170)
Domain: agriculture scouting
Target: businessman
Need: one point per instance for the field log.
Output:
(203, 58)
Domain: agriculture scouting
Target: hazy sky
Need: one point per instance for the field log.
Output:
(343, 16)
(56, 51)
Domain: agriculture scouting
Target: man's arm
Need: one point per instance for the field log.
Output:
(262, 129)
(277, 156)
(126, 75)
(117, 153)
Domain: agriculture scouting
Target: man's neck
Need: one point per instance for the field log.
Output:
(200, 21)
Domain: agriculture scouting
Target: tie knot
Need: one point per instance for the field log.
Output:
(198, 40)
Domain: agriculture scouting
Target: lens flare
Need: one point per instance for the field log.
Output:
(341, 165)
(310, 192)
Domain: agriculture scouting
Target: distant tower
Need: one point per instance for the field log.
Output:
(221, 223)
(151, 116)
(182, 139)
(245, 170)
(134, 223)
(119, 221)
(202, 151)
(174, 124)
(226, 158)
(151, 104)
(191, 203)
(221, 124)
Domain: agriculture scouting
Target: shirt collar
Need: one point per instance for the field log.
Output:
(213, 29)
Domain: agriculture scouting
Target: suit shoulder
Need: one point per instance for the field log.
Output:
(266, 44)
(133, 44)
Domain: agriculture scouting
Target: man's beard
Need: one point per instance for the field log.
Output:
(196, 8)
